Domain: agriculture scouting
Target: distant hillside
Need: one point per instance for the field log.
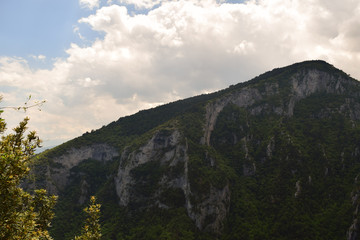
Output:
(276, 157)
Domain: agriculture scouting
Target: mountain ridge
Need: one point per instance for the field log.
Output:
(148, 113)
(218, 162)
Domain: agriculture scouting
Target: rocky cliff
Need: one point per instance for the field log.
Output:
(56, 174)
(167, 151)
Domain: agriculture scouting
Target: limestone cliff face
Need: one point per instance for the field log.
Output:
(302, 85)
(243, 98)
(162, 149)
(353, 231)
(57, 173)
(155, 174)
(212, 211)
(168, 151)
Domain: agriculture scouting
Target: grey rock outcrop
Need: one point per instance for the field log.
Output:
(57, 173)
(302, 85)
(353, 231)
(162, 148)
(243, 98)
(212, 211)
(170, 151)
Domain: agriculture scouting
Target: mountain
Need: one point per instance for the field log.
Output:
(277, 157)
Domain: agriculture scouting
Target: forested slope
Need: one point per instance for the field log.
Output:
(276, 157)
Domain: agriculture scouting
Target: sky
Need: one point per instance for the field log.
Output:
(94, 61)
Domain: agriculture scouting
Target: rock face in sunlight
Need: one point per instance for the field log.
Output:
(163, 162)
(276, 157)
(59, 168)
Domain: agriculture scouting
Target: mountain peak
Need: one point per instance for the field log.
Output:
(278, 91)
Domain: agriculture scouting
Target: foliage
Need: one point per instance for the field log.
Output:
(86, 179)
(91, 230)
(22, 216)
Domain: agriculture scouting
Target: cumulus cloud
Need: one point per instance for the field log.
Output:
(91, 4)
(38, 57)
(179, 49)
(142, 3)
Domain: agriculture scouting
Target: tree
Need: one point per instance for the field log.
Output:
(22, 215)
(91, 230)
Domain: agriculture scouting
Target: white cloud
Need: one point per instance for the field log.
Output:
(142, 3)
(76, 30)
(244, 47)
(38, 57)
(177, 50)
(91, 4)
